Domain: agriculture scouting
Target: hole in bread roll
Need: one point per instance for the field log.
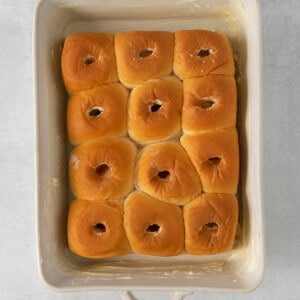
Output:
(211, 226)
(102, 169)
(98, 228)
(153, 228)
(204, 52)
(205, 103)
(89, 59)
(163, 174)
(215, 160)
(156, 106)
(95, 111)
(146, 52)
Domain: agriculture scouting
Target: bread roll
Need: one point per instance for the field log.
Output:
(155, 110)
(200, 53)
(153, 227)
(95, 229)
(143, 55)
(88, 60)
(97, 114)
(215, 156)
(165, 172)
(102, 170)
(210, 103)
(210, 223)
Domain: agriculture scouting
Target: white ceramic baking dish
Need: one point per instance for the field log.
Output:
(238, 270)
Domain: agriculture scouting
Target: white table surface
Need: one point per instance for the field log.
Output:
(19, 278)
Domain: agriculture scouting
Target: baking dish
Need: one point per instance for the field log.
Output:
(240, 269)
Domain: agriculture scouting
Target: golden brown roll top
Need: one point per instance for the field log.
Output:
(97, 113)
(200, 52)
(155, 110)
(165, 172)
(95, 228)
(88, 60)
(210, 103)
(102, 170)
(215, 156)
(210, 223)
(143, 55)
(153, 227)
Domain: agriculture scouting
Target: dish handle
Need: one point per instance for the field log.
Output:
(128, 295)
